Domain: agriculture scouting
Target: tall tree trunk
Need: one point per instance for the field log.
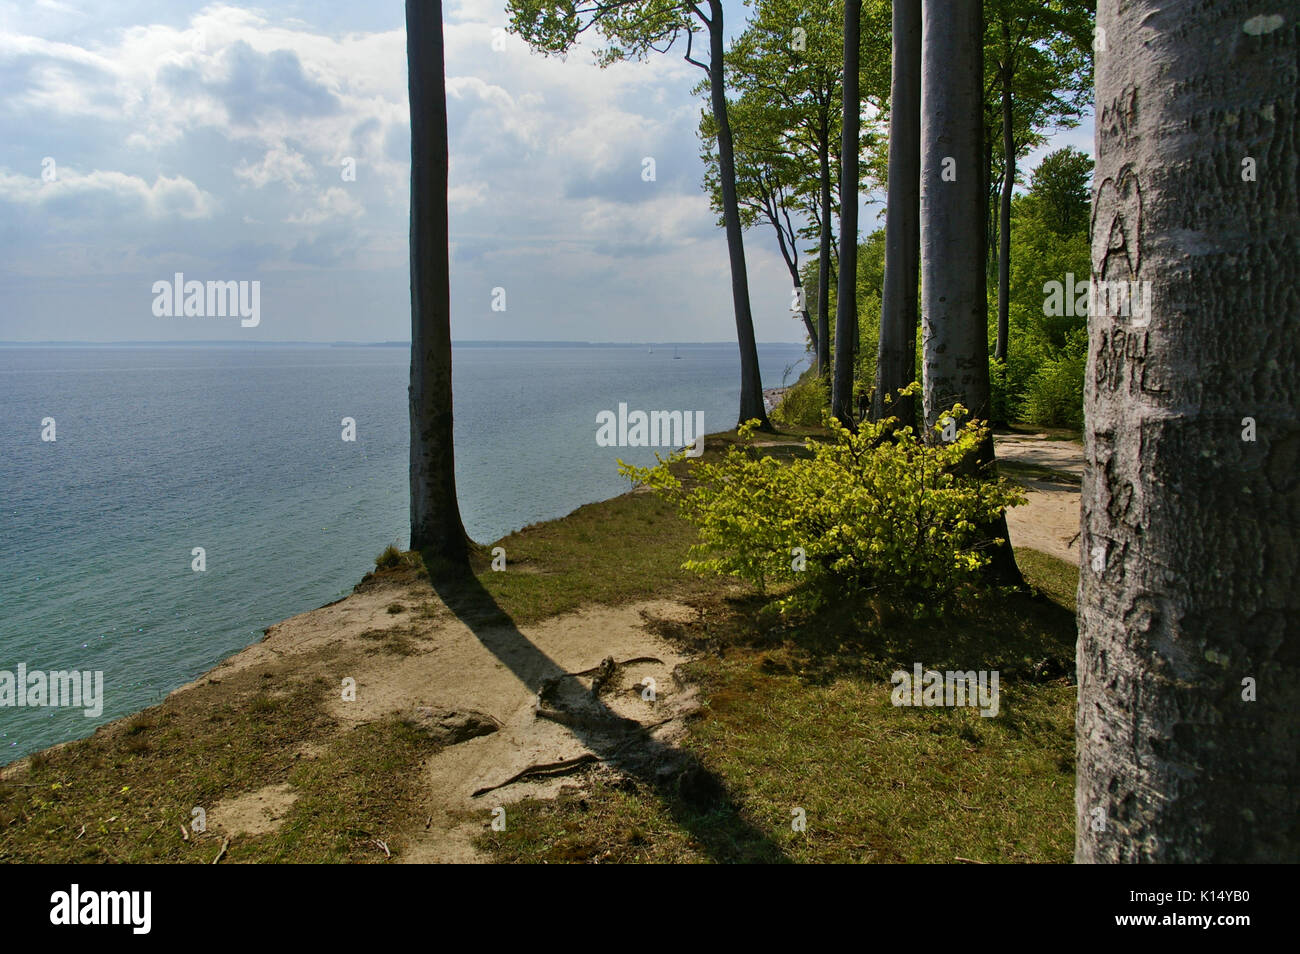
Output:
(436, 525)
(824, 261)
(1189, 640)
(1004, 214)
(896, 358)
(846, 306)
(954, 305)
(751, 384)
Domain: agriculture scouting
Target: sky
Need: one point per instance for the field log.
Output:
(142, 139)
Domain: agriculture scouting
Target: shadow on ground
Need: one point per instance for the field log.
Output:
(695, 797)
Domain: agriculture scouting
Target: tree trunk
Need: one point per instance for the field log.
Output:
(954, 305)
(751, 384)
(1191, 488)
(824, 262)
(846, 306)
(896, 358)
(436, 525)
(1004, 214)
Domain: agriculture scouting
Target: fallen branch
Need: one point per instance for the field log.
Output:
(222, 853)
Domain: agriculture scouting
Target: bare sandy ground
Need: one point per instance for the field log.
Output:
(518, 709)
(1049, 522)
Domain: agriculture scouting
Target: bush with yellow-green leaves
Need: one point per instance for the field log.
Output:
(873, 513)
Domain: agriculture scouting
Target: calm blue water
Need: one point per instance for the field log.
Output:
(238, 450)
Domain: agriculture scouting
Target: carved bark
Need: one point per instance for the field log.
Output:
(436, 524)
(1190, 551)
(896, 356)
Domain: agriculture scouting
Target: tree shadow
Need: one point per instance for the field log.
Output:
(695, 797)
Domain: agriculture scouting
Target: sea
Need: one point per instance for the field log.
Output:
(159, 450)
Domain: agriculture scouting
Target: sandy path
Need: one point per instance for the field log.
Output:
(1049, 523)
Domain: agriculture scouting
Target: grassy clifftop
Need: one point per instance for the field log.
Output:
(795, 720)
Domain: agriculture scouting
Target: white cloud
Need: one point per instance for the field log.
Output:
(333, 203)
(168, 197)
(281, 165)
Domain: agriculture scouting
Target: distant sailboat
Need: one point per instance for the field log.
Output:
(676, 356)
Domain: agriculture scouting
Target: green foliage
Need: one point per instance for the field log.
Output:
(1054, 397)
(873, 514)
(805, 404)
(871, 291)
(1059, 195)
(1042, 382)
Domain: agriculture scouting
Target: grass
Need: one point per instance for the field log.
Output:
(123, 794)
(796, 715)
(801, 718)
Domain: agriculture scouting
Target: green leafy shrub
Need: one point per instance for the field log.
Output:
(804, 404)
(1054, 396)
(1003, 401)
(871, 515)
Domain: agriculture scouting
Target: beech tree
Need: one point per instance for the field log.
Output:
(846, 305)
(436, 525)
(787, 68)
(1189, 674)
(896, 355)
(769, 182)
(954, 325)
(634, 29)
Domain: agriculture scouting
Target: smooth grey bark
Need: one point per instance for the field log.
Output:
(846, 305)
(1004, 212)
(824, 260)
(751, 384)
(436, 526)
(954, 316)
(896, 356)
(1189, 549)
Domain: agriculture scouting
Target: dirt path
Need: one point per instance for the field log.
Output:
(1049, 523)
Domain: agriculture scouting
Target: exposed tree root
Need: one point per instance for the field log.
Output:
(543, 770)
